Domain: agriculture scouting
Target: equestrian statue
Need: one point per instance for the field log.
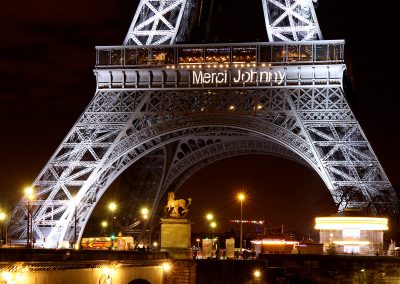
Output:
(177, 208)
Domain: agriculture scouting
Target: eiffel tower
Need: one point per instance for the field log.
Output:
(170, 109)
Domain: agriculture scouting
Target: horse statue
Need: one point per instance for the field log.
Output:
(177, 208)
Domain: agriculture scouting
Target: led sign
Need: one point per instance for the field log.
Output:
(237, 76)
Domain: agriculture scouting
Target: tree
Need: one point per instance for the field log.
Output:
(392, 248)
(331, 249)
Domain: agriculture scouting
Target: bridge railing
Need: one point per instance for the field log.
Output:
(221, 55)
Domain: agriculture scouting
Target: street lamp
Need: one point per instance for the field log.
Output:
(29, 194)
(198, 243)
(112, 207)
(209, 217)
(213, 225)
(2, 221)
(241, 197)
(145, 215)
(104, 225)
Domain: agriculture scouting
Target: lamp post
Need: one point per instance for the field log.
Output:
(112, 207)
(213, 225)
(209, 217)
(145, 215)
(2, 221)
(241, 197)
(29, 192)
(104, 225)
(74, 200)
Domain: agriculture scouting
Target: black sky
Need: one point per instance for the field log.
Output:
(46, 62)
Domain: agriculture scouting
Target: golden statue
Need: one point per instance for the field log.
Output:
(177, 208)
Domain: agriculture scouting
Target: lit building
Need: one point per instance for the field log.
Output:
(351, 232)
(274, 246)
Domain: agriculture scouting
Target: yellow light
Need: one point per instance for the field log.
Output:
(104, 224)
(209, 216)
(351, 242)
(155, 244)
(29, 192)
(259, 106)
(241, 196)
(274, 242)
(112, 206)
(7, 276)
(257, 274)
(340, 223)
(232, 107)
(144, 211)
(109, 272)
(197, 240)
(166, 266)
(2, 216)
(213, 224)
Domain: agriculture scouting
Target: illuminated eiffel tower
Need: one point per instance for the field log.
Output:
(170, 109)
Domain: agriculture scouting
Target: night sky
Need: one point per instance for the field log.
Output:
(47, 58)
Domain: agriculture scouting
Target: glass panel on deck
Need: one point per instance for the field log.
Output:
(162, 56)
(130, 56)
(218, 54)
(306, 53)
(104, 56)
(278, 53)
(245, 54)
(321, 52)
(334, 52)
(293, 53)
(143, 56)
(190, 55)
(265, 53)
(116, 57)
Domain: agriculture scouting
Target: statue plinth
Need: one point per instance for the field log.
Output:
(175, 237)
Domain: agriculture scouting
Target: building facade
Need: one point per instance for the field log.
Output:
(351, 232)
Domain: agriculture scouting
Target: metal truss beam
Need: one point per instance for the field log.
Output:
(157, 22)
(195, 153)
(305, 120)
(291, 20)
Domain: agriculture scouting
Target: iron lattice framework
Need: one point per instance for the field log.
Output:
(158, 22)
(181, 107)
(291, 20)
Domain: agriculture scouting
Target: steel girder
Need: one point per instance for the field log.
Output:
(158, 22)
(195, 153)
(291, 20)
(121, 126)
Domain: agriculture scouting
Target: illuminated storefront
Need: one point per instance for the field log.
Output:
(352, 233)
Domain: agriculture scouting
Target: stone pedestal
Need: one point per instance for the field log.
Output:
(175, 237)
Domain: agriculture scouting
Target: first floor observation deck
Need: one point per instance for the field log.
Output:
(220, 65)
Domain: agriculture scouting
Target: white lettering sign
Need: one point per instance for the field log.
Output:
(242, 76)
